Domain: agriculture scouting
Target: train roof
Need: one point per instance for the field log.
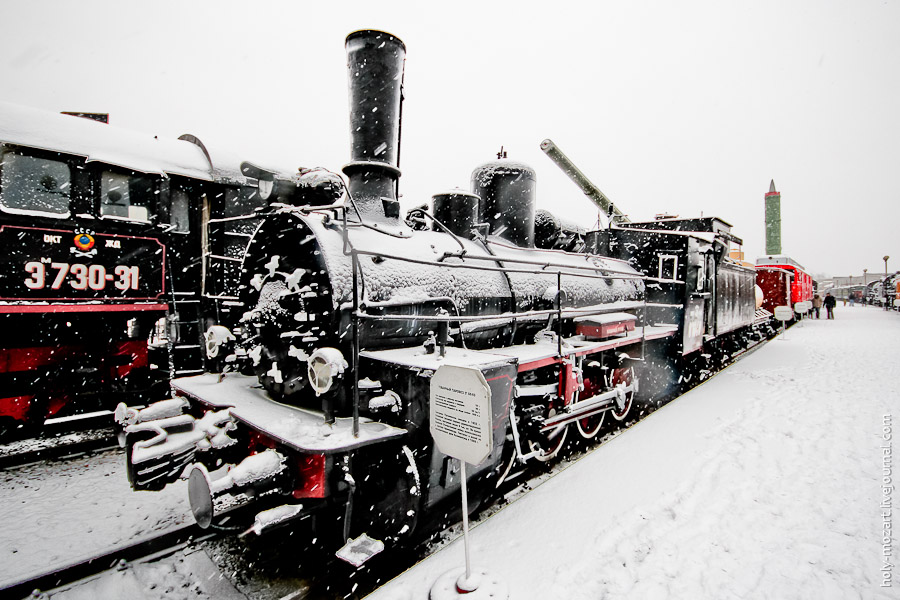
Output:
(780, 260)
(713, 225)
(99, 142)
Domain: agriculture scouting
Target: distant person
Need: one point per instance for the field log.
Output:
(829, 305)
(852, 300)
(817, 304)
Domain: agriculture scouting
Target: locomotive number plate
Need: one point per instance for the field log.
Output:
(50, 264)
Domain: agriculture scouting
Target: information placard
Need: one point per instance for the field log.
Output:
(461, 413)
(784, 313)
(803, 307)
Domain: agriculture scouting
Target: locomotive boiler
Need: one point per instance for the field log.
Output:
(323, 409)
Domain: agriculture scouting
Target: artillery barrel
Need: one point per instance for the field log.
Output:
(581, 180)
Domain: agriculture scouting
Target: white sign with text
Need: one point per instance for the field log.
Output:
(784, 313)
(461, 413)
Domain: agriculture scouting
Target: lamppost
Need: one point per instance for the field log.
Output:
(865, 298)
(884, 288)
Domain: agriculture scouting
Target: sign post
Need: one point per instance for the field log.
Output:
(802, 308)
(783, 314)
(460, 401)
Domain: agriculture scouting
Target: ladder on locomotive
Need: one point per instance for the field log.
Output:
(217, 301)
(186, 334)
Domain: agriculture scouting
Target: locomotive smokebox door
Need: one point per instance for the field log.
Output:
(461, 413)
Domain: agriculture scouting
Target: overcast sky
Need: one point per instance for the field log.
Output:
(684, 107)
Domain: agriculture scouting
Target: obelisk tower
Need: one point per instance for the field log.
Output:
(773, 221)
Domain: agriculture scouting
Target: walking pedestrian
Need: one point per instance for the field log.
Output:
(817, 304)
(829, 305)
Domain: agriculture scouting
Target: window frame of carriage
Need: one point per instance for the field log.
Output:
(72, 194)
(86, 186)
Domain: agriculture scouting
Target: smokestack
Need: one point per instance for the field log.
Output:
(375, 62)
(773, 221)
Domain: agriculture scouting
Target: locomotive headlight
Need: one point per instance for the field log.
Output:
(216, 337)
(324, 367)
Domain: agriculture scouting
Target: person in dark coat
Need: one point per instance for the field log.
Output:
(829, 305)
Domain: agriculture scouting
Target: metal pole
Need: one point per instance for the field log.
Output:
(559, 313)
(354, 260)
(465, 516)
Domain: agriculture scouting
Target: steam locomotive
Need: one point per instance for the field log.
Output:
(117, 248)
(358, 323)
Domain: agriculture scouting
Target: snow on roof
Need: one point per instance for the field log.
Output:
(99, 142)
(778, 259)
(706, 236)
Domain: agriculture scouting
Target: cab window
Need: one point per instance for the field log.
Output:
(34, 185)
(179, 211)
(125, 196)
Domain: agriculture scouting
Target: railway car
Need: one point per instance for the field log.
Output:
(110, 238)
(709, 296)
(358, 326)
(801, 282)
(776, 286)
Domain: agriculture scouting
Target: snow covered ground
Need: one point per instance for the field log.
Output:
(772, 480)
(765, 482)
(55, 513)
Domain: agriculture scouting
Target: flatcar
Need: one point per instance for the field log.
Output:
(111, 238)
(358, 327)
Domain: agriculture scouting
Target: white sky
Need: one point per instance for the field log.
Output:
(677, 107)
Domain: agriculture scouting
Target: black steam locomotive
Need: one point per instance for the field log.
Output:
(325, 402)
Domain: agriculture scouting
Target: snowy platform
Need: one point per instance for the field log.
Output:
(301, 429)
(764, 482)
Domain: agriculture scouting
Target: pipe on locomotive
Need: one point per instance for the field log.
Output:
(375, 61)
(590, 190)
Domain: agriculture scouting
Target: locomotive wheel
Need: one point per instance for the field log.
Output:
(547, 445)
(624, 375)
(590, 426)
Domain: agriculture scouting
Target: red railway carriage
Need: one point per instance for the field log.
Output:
(775, 284)
(801, 282)
(104, 233)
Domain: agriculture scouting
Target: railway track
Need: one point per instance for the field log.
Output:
(57, 447)
(152, 547)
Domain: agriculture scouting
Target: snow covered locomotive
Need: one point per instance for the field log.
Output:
(352, 312)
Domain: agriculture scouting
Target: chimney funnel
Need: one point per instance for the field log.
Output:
(375, 62)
